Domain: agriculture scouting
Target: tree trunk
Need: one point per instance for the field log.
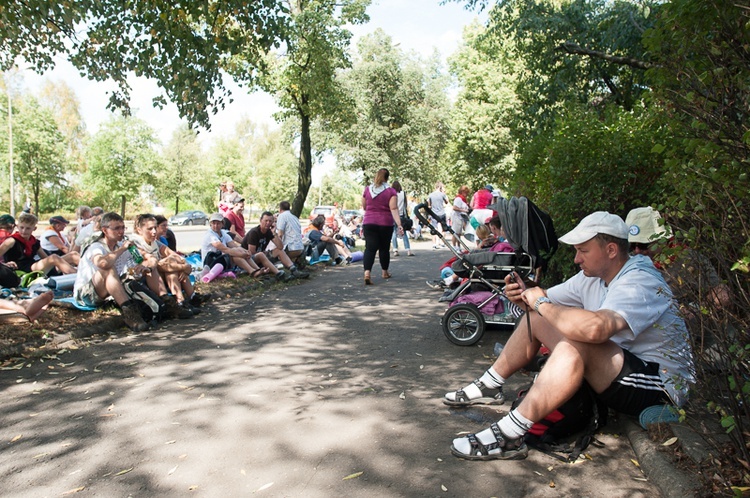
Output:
(304, 169)
(177, 204)
(122, 207)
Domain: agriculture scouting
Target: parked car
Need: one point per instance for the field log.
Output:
(349, 214)
(189, 218)
(326, 211)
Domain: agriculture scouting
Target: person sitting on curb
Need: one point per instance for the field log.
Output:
(21, 249)
(7, 225)
(234, 220)
(688, 273)
(218, 247)
(289, 231)
(53, 241)
(98, 276)
(600, 331)
(172, 268)
(148, 272)
(164, 233)
(258, 241)
(321, 242)
(87, 227)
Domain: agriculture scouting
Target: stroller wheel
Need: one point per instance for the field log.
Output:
(463, 324)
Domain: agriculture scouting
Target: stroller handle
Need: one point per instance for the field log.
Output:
(422, 211)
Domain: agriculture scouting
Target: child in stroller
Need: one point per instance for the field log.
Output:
(479, 300)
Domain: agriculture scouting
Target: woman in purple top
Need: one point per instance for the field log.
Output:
(381, 212)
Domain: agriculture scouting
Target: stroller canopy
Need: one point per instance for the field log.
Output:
(527, 228)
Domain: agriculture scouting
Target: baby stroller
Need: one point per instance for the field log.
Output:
(478, 300)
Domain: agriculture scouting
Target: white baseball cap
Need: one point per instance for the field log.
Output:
(216, 217)
(593, 224)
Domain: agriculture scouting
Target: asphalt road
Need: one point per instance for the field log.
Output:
(324, 388)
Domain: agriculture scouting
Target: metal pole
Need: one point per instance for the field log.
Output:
(10, 157)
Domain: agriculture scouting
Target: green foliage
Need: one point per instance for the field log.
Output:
(184, 46)
(395, 115)
(340, 186)
(121, 160)
(595, 160)
(701, 82)
(548, 37)
(39, 150)
(181, 168)
(303, 79)
(481, 146)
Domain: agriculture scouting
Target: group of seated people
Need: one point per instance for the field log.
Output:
(99, 253)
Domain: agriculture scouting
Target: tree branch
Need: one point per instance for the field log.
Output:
(575, 49)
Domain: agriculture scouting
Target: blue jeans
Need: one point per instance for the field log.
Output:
(394, 239)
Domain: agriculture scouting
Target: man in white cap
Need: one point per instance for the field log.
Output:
(613, 325)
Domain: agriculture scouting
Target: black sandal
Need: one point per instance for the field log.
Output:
(514, 449)
(490, 396)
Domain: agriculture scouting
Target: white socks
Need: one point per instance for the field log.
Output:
(513, 426)
(489, 379)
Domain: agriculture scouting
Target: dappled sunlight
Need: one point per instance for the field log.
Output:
(290, 392)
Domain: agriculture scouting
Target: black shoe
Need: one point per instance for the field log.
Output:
(349, 260)
(297, 273)
(283, 276)
(192, 309)
(199, 299)
(131, 315)
(173, 310)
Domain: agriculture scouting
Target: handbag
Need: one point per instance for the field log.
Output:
(406, 222)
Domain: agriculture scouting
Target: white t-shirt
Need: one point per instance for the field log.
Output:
(639, 294)
(87, 268)
(210, 238)
(48, 246)
(289, 224)
(84, 232)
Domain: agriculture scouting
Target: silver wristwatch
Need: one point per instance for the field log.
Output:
(541, 301)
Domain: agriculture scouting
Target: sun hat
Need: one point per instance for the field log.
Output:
(644, 227)
(593, 224)
(216, 217)
(58, 219)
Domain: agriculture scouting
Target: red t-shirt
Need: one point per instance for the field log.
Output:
(237, 221)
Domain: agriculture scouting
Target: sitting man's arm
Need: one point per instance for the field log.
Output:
(231, 248)
(576, 324)
(55, 241)
(107, 261)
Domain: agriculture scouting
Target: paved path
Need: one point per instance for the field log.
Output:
(284, 395)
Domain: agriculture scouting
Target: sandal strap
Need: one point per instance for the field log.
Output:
(487, 392)
(461, 396)
(477, 446)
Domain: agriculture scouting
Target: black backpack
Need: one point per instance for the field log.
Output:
(148, 303)
(580, 416)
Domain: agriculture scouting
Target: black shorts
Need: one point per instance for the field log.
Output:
(636, 387)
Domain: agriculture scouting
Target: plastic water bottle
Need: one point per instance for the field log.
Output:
(135, 253)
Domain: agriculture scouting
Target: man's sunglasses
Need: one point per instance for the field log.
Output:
(639, 245)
